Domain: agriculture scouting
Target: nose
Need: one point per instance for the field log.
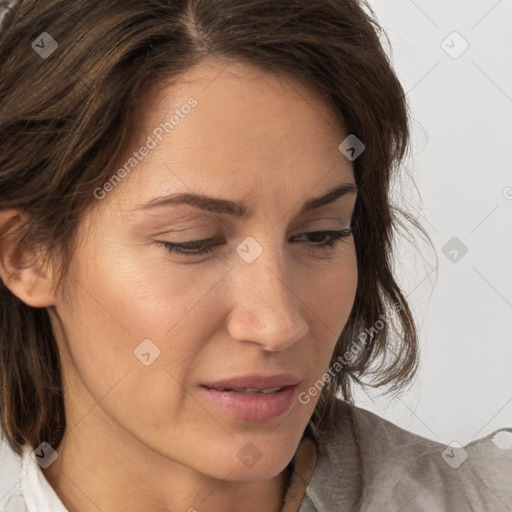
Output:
(268, 310)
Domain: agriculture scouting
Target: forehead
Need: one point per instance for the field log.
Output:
(225, 126)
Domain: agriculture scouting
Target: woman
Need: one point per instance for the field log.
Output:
(195, 256)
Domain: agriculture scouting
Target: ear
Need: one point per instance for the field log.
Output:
(20, 266)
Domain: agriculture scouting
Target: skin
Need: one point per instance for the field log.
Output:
(143, 437)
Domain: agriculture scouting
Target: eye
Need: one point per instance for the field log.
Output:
(200, 247)
(333, 238)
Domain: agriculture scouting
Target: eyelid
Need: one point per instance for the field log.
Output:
(334, 220)
(324, 224)
(213, 238)
(206, 246)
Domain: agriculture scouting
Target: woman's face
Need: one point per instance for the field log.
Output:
(145, 327)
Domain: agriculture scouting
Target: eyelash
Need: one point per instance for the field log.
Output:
(336, 236)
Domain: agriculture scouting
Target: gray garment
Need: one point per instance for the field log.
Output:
(368, 464)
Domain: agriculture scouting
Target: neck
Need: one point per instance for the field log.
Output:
(90, 475)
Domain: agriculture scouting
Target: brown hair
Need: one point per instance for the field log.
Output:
(66, 122)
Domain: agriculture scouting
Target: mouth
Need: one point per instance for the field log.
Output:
(250, 391)
(252, 404)
(255, 382)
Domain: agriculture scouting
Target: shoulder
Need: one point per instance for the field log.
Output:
(404, 471)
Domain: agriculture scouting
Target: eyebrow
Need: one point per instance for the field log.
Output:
(241, 210)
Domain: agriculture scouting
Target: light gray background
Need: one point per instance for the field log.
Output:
(461, 162)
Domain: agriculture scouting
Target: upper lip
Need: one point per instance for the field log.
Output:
(255, 381)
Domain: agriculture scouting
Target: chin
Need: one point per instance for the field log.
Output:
(254, 461)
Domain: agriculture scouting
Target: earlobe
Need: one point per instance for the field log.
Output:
(20, 267)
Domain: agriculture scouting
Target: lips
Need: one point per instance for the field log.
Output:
(255, 383)
(249, 390)
(251, 404)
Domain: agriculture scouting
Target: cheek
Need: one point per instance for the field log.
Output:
(117, 305)
(139, 293)
(330, 296)
(331, 293)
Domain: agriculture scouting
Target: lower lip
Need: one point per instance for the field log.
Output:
(253, 407)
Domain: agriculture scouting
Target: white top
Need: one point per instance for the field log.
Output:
(32, 492)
